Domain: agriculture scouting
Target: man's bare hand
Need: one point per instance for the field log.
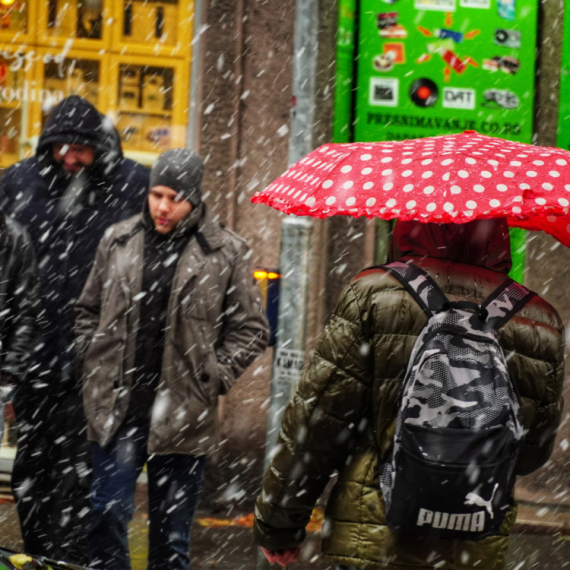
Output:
(282, 557)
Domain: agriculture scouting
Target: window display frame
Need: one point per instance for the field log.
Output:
(20, 37)
(180, 94)
(185, 34)
(28, 108)
(102, 59)
(111, 51)
(44, 39)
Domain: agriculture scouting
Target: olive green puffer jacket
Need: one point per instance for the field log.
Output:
(343, 416)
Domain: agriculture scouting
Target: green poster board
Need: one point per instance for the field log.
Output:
(431, 67)
(563, 135)
(345, 70)
(510, 33)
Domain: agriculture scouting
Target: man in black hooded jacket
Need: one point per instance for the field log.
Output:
(75, 187)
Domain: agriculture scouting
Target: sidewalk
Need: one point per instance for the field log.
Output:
(541, 539)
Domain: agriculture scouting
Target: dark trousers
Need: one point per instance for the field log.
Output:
(32, 483)
(51, 475)
(174, 483)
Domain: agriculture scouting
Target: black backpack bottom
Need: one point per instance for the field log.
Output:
(479, 488)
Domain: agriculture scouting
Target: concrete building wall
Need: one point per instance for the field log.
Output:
(244, 136)
(244, 115)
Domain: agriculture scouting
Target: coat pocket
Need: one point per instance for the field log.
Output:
(209, 378)
(194, 301)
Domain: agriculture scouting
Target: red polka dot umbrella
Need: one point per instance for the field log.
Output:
(450, 178)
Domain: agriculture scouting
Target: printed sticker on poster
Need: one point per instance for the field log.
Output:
(440, 5)
(384, 91)
(507, 9)
(454, 98)
(394, 53)
(481, 4)
(388, 26)
(500, 98)
(430, 67)
(289, 365)
(507, 38)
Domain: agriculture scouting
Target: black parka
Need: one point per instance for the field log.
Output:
(66, 218)
(19, 307)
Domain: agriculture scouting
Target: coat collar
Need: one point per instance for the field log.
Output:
(209, 234)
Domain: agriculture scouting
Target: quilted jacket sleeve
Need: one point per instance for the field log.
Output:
(318, 426)
(541, 377)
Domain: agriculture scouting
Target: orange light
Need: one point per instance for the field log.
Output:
(259, 275)
(272, 275)
(7, 2)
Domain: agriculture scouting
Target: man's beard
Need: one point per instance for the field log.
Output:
(70, 173)
(72, 198)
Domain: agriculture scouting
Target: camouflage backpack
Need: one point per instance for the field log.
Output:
(452, 467)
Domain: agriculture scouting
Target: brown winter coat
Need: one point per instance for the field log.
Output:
(346, 403)
(215, 328)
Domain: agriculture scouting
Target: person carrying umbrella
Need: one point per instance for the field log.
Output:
(343, 415)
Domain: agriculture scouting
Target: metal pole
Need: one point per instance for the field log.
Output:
(304, 79)
(289, 359)
(195, 95)
(296, 234)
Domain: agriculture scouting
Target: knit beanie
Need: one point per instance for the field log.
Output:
(180, 169)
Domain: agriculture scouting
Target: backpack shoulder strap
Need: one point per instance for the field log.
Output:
(507, 300)
(420, 285)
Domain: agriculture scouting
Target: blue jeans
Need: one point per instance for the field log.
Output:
(174, 483)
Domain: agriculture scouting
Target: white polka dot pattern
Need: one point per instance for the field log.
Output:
(450, 178)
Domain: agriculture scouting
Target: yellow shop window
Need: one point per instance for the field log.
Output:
(13, 16)
(14, 93)
(145, 101)
(129, 58)
(71, 19)
(73, 76)
(147, 21)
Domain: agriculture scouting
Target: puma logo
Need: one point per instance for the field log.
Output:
(452, 521)
(477, 500)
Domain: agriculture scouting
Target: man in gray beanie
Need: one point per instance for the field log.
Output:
(180, 169)
(168, 320)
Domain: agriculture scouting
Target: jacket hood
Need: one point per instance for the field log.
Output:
(484, 243)
(76, 121)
